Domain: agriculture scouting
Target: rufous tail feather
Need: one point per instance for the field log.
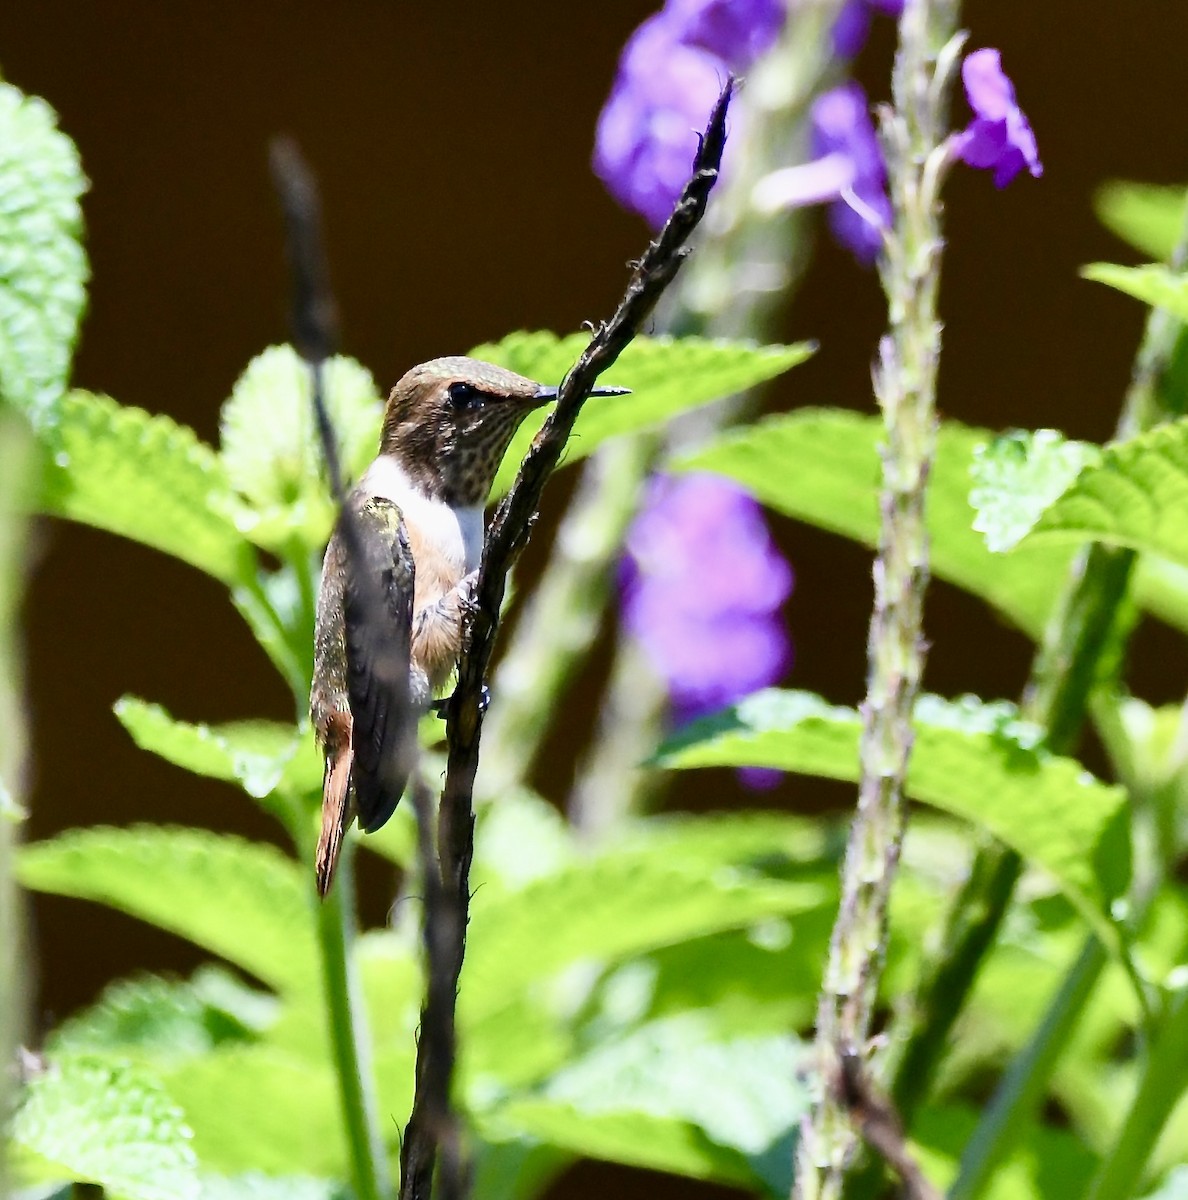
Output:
(336, 812)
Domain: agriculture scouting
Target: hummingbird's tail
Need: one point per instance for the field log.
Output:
(337, 810)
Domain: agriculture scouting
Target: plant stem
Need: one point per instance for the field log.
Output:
(1025, 1083)
(905, 386)
(14, 481)
(1083, 647)
(1160, 1087)
(348, 1036)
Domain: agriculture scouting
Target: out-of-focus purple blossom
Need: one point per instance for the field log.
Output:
(1000, 137)
(737, 31)
(852, 26)
(702, 584)
(842, 127)
(670, 73)
(847, 170)
(647, 131)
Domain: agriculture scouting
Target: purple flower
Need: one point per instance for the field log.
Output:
(737, 31)
(847, 169)
(999, 136)
(702, 584)
(647, 131)
(842, 126)
(852, 26)
(670, 74)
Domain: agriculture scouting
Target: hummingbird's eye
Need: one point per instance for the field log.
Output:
(464, 395)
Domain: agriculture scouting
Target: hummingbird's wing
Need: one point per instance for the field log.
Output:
(377, 619)
(360, 701)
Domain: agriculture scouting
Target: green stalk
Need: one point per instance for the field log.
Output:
(915, 136)
(1023, 1087)
(348, 1036)
(1083, 649)
(1160, 1088)
(14, 480)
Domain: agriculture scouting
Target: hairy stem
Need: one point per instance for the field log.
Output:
(905, 385)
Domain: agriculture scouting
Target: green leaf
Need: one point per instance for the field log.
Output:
(109, 1124)
(164, 1019)
(256, 1186)
(975, 761)
(43, 268)
(1019, 475)
(743, 1092)
(667, 376)
(143, 477)
(242, 900)
(1148, 216)
(256, 1108)
(271, 450)
(1136, 496)
(822, 466)
(257, 755)
(609, 908)
(637, 1139)
(1153, 284)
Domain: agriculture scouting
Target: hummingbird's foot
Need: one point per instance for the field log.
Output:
(441, 708)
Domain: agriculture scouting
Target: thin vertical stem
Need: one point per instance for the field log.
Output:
(13, 959)
(348, 1039)
(905, 386)
(1083, 647)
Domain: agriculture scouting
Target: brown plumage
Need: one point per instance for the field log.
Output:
(395, 581)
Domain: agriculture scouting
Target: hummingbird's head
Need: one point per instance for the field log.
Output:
(449, 421)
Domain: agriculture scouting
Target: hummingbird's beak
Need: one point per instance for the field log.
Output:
(545, 394)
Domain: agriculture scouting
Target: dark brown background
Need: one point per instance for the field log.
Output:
(452, 142)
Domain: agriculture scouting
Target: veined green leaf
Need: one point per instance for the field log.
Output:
(976, 761)
(256, 1108)
(1136, 496)
(1019, 475)
(242, 900)
(157, 1019)
(1153, 284)
(271, 451)
(257, 755)
(667, 376)
(143, 477)
(105, 1123)
(1148, 216)
(822, 466)
(637, 1139)
(254, 1185)
(43, 268)
(609, 908)
(742, 1091)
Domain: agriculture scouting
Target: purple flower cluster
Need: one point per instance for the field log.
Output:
(852, 26)
(670, 74)
(702, 584)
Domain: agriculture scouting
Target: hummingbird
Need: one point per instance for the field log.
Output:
(398, 575)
